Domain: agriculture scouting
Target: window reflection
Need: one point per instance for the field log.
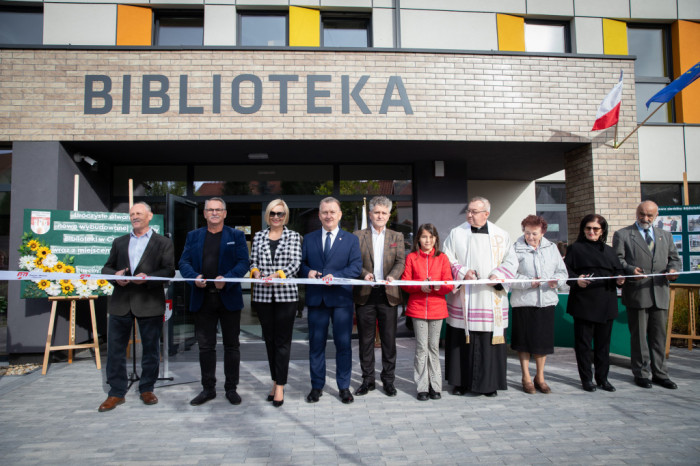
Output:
(262, 29)
(180, 30)
(153, 180)
(21, 26)
(651, 69)
(550, 201)
(384, 180)
(644, 92)
(345, 32)
(227, 180)
(545, 38)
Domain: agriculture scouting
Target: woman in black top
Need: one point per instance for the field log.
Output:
(593, 299)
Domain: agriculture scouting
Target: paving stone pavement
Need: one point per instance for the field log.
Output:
(53, 419)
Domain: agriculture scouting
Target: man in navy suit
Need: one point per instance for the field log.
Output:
(326, 254)
(215, 252)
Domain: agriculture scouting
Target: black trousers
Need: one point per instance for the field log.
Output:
(206, 319)
(118, 335)
(597, 335)
(377, 309)
(277, 322)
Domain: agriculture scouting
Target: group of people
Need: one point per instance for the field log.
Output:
(477, 314)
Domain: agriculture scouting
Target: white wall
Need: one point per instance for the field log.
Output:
(220, 25)
(511, 202)
(427, 29)
(383, 27)
(502, 6)
(656, 9)
(80, 24)
(587, 35)
(550, 7)
(661, 153)
(603, 8)
(692, 149)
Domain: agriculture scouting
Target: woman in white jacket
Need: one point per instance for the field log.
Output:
(534, 302)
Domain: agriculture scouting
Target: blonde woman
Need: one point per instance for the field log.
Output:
(276, 253)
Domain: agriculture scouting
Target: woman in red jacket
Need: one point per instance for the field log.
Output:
(427, 308)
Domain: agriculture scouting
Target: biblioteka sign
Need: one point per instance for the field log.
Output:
(156, 97)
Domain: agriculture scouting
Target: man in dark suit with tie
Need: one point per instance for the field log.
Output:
(383, 258)
(642, 250)
(326, 254)
(216, 252)
(141, 253)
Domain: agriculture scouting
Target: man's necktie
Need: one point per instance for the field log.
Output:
(327, 246)
(649, 240)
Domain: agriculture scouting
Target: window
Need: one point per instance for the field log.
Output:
(5, 195)
(266, 29)
(345, 31)
(150, 180)
(550, 199)
(651, 69)
(177, 28)
(551, 37)
(667, 194)
(256, 180)
(23, 26)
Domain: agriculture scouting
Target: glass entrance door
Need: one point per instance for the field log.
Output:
(180, 218)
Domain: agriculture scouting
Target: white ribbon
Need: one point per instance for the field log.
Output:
(40, 275)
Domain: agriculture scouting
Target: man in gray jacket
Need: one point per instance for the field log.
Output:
(644, 249)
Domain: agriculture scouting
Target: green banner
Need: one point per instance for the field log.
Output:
(70, 241)
(684, 224)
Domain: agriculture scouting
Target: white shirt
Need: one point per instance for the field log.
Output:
(378, 246)
(641, 230)
(137, 245)
(334, 234)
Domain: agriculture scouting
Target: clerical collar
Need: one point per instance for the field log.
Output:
(484, 229)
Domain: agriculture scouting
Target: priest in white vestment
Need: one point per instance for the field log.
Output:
(475, 349)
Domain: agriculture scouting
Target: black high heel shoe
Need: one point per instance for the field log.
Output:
(279, 403)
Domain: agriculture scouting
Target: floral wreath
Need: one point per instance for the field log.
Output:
(36, 255)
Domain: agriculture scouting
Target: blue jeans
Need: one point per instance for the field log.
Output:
(118, 335)
(318, 334)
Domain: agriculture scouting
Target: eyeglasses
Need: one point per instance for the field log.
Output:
(218, 211)
(277, 214)
(592, 229)
(474, 212)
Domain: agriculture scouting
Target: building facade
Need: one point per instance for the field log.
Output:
(428, 102)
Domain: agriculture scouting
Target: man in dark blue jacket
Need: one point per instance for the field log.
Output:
(215, 252)
(326, 254)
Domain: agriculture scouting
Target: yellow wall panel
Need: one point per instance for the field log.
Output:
(134, 25)
(685, 42)
(304, 27)
(614, 37)
(511, 33)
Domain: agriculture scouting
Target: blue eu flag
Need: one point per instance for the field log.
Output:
(667, 93)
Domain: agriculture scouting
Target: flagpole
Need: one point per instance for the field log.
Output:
(615, 137)
(638, 126)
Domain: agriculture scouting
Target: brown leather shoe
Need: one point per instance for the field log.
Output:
(529, 388)
(149, 398)
(110, 403)
(543, 387)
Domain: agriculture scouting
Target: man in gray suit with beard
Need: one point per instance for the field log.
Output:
(644, 249)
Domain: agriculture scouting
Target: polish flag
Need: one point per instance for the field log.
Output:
(609, 110)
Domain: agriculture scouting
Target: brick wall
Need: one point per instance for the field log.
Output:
(453, 97)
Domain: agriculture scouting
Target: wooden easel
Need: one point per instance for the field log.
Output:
(691, 289)
(71, 338)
